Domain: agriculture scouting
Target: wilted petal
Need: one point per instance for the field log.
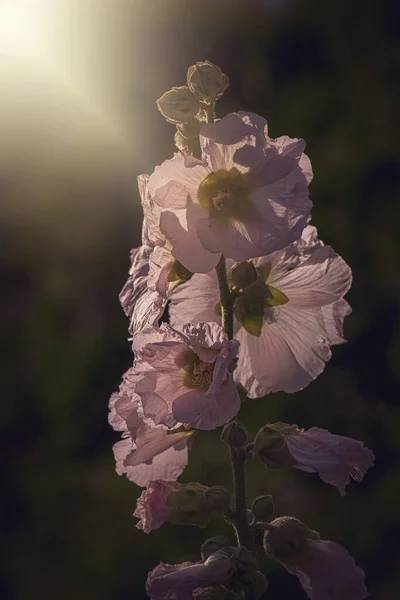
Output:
(168, 456)
(335, 458)
(180, 581)
(144, 454)
(143, 305)
(152, 508)
(330, 572)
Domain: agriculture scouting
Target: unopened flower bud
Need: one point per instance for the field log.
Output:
(286, 540)
(234, 434)
(178, 105)
(270, 445)
(262, 507)
(217, 498)
(217, 542)
(244, 274)
(206, 81)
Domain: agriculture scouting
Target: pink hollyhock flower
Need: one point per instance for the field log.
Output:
(186, 377)
(142, 304)
(285, 322)
(151, 508)
(246, 197)
(154, 272)
(336, 459)
(188, 580)
(145, 453)
(325, 569)
(328, 571)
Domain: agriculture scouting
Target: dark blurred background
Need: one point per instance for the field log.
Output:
(78, 123)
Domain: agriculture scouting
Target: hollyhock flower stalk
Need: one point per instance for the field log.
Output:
(256, 301)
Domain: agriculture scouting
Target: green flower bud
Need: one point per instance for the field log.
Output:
(217, 542)
(206, 81)
(262, 507)
(234, 435)
(286, 540)
(217, 498)
(178, 105)
(244, 274)
(270, 445)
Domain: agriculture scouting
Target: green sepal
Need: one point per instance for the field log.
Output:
(178, 273)
(252, 325)
(275, 297)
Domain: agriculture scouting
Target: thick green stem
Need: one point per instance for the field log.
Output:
(225, 297)
(238, 460)
(209, 111)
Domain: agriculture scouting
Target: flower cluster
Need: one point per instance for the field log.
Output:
(255, 301)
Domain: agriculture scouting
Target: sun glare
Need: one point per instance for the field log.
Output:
(41, 58)
(15, 27)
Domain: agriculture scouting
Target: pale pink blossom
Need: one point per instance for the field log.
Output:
(327, 571)
(145, 453)
(336, 459)
(142, 304)
(185, 377)
(152, 508)
(246, 197)
(187, 580)
(301, 291)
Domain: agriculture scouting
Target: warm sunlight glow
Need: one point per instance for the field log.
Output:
(15, 30)
(46, 76)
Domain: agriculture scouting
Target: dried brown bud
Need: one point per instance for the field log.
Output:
(206, 81)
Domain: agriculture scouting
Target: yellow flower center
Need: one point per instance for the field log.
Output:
(198, 374)
(225, 194)
(202, 374)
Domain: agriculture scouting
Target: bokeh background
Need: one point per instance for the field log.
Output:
(78, 123)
